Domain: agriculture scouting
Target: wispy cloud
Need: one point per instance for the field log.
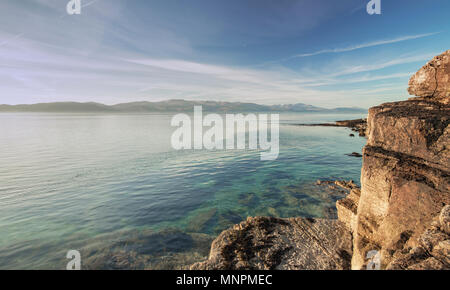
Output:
(114, 54)
(52, 75)
(17, 36)
(365, 45)
(89, 3)
(384, 64)
(222, 72)
(363, 79)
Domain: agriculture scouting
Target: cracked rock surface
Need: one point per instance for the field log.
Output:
(433, 251)
(264, 243)
(433, 79)
(402, 210)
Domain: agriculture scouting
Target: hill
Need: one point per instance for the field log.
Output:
(170, 106)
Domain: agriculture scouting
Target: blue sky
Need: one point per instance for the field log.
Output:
(322, 52)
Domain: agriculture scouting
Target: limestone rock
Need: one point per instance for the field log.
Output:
(415, 128)
(433, 252)
(444, 219)
(347, 209)
(401, 211)
(405, 177)
(263, 243)
(433, 79)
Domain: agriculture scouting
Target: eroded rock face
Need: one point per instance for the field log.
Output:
(433, 251)
(416, 128)
(405, 178)
(264, 243)
(401, 211)
(347, 209)
(433, 79)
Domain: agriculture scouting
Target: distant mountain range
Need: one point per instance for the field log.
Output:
(170, 106)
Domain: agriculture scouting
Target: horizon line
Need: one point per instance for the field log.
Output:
(168, 100)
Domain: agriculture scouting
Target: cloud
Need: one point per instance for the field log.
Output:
(199, 81)
(364, 45)
(89, 3)
(353, 80)
(52, 75)
(223, 72)
(17, 36)
(97, 57)
(381, 65)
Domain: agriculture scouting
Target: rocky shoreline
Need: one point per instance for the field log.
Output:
(266, 243)
(359, 125)
(398, 219)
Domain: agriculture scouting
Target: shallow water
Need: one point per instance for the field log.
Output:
(111, 187)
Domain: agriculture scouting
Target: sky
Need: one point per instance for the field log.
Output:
(326, 53)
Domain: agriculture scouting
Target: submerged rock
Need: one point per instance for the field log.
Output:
(201, 220)
(343, 184)
(354, 154)
(273, 212)
(264, 243)
(248, 199)
(146, 249)
(226, 220)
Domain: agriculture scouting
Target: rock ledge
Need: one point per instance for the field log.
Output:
(265, 243)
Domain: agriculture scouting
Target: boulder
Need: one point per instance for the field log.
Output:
(405, 178)
(433, 79)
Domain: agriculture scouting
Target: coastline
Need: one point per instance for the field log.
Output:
(358, 125)
(399, 219)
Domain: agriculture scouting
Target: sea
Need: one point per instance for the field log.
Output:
(111, 187)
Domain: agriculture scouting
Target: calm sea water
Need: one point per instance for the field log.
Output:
(111, 187)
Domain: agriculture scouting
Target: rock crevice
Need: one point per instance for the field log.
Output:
(433, 79)
(265, 243)
(405, 178)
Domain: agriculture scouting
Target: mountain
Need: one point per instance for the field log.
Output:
(187, 106)
(298, 108)
(60, 107)
(169, 106)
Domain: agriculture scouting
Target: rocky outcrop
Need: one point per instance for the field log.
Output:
(405, 177)
(401, 212)
(433, 251)
(265, 243)
(433, 79)
(347, 208)
(358, 125)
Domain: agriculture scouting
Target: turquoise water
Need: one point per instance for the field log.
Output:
(111, 187)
